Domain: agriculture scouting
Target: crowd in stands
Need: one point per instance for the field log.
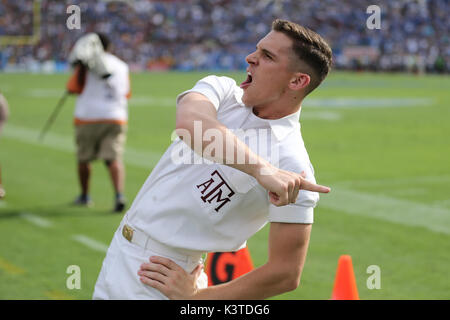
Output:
(218, 34)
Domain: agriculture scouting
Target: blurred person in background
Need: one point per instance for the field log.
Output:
(3, 117)
(102, 83)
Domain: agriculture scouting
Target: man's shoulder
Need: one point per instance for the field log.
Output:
(292, 152)
(116, 60)
(221, 89)
(292, 140)
(221, 81)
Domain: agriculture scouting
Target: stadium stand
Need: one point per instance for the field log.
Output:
(218, 34)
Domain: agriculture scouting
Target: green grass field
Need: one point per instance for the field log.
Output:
(381, 142)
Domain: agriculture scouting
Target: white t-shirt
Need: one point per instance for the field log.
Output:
(105, 99)
(213, 207)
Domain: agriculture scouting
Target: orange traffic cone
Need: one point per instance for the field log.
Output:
(225, 266)
(345, 283)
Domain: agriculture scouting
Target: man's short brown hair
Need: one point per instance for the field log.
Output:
(310, 48)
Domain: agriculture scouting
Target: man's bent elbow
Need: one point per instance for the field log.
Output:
(288, 280)
(292, 282)
(185, 121)
(181, 125)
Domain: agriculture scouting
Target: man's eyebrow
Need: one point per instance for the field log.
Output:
(265, 51)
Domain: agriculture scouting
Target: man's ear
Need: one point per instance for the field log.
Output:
(299, 81)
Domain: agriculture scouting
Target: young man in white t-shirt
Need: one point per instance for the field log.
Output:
(101, 116)
(190, 205)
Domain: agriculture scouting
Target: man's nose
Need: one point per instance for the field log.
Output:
(251, 58)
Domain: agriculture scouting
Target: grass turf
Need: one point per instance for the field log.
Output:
(387, 139)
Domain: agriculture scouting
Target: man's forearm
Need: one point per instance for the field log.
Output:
(200, 132)
(260, 283)
(197, 125)
(288, 246)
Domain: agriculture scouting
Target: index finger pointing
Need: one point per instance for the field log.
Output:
(306, 185)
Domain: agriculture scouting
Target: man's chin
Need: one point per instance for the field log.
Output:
(246, 100)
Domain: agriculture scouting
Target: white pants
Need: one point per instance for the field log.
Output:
(118, 278)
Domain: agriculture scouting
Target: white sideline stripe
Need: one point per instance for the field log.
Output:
(3, 204)
(37, 221)
(409, 213)
(64, 143)
(90, 243)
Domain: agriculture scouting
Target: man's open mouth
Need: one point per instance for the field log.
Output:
(247, 81)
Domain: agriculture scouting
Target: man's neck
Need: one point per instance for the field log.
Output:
(277, 110)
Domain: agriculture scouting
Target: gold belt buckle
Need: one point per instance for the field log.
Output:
(127, 232)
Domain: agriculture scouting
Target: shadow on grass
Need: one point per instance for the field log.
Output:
(60, 210)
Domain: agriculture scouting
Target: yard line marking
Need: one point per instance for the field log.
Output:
(396, 180)
(342, 102)
(445, 203)
(351, 102)
(44, 93)
(339, 103)
(406, 191)
(141, 159)
(135, 101)
(409, 213)
(36, 220)
(90, 243)
(54, 141)
(9, 268)
(330, 116)
(30, 136)
(58, 295)
(147, 101)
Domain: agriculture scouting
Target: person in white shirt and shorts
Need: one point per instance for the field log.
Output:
(100, 118)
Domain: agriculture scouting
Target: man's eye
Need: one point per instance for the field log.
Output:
(268, 56)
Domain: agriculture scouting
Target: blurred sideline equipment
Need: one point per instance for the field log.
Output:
(345, 282)
(90, 52)
(52, 117)
(87, 53)
(222, 267)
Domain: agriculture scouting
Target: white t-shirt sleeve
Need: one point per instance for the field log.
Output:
(119, 81)
(216, 89)
(105, 99)
(301, 211)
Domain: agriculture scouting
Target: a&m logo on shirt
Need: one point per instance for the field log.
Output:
(215, 190)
